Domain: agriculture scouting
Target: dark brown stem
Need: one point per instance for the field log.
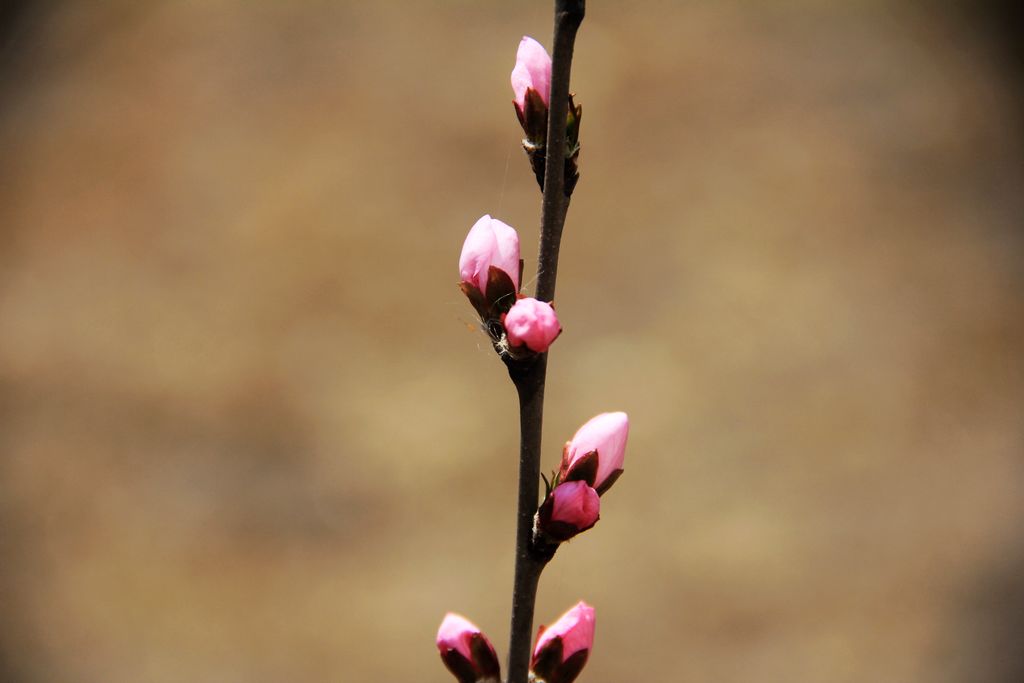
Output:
(568, 16)
(529, 383)
(529, 377)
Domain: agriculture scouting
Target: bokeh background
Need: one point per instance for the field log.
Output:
(251, 432)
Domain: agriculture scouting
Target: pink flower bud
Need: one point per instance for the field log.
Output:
(596, 452)
(466, 651)
(532, 323)
(532, 70)
(489, 243)
(562, 648)
(571, 508)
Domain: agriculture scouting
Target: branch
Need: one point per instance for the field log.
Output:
(568, 16)
(529, 379)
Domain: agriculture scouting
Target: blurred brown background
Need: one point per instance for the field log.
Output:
(249, 432)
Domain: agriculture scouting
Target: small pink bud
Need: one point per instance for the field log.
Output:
(466, 651)
(489, 243)
(596, 452)
(562, 648)
(533, 323)
(571, 508)
(532, 70)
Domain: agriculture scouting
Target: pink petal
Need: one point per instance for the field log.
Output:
(506, 252)
(575, 628)
(454, 633)
(576, 503)
(532, 70)
(606, 433)
(533, 323)
(477, 252)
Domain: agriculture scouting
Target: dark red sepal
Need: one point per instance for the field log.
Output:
(556, 531)
(572, 129)
(476, 299)
(570, 668)
(501, 291)
(486, 660)
(534, 118)
(584, 469)
(608, 481)
(460, 667)
(546, 662)
(537, 161)
(500, 296)
(535, 144)
(572, 146)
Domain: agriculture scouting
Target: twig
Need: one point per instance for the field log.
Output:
(529, 379)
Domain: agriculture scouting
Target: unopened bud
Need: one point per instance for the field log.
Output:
(532, 71)
(490, 268)
(569, 509)
(531, 87)
(562, 648)
(533, 324)
(596, 452)
(466, 651)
